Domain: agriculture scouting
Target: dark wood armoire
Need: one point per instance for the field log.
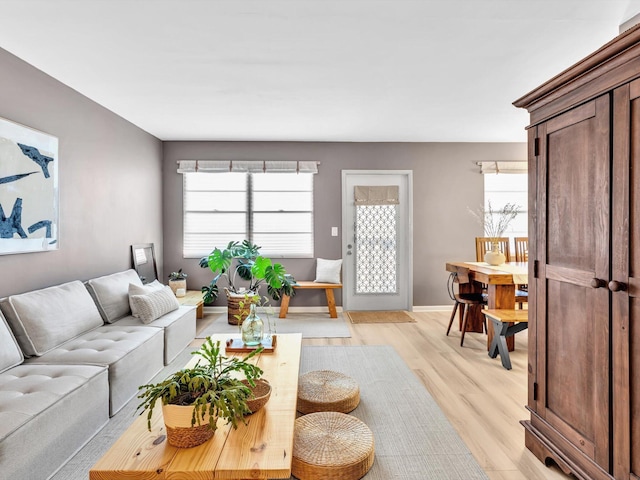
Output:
(584, 261)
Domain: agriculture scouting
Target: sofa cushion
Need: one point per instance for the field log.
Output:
(152, 306)
(142, 290)
(111, 293)
(179, 329)
(47, 413)
(44, 319)
(133, 355)
(10, 353)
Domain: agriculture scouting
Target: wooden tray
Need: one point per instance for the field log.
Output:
(237, 345)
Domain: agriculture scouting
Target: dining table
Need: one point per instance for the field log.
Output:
(500, 282)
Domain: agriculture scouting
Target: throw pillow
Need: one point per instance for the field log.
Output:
(328, 271)
(142, 290)
(152, 306)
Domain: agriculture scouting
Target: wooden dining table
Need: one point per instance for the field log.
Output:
(500, 282)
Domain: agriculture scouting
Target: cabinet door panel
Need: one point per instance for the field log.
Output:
(575, 241)
(625, 327)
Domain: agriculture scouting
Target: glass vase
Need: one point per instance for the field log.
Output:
(252, 328)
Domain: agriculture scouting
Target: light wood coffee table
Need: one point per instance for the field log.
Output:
(260, 449)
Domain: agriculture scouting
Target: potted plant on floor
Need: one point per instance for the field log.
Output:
(241, 261)
(194, 398)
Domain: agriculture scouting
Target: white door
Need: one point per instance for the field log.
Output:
(377, 240)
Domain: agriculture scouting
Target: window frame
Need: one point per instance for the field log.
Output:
(250, 213)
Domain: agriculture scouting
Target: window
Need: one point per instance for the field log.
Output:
(273, 210)
(503, 188)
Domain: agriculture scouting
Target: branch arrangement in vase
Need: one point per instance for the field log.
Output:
(495, 221)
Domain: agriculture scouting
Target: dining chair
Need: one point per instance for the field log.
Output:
(522, 248)
(522, 255)
(483, 244)
(466, 301)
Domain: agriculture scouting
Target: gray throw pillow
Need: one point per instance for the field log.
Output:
(142, 290)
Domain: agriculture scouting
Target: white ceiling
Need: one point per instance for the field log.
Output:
(311, 70)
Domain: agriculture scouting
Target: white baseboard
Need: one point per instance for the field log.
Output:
(432, 308)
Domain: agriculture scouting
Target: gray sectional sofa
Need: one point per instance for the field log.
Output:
(71, 356)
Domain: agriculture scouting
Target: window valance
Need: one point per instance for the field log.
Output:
(253, 166)
(503, 167)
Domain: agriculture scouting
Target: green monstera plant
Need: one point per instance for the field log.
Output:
(241, 261)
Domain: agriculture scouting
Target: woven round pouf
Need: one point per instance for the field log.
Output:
(331, 445)
(327, 391)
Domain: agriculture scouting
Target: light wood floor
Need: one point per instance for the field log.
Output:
(482, 400)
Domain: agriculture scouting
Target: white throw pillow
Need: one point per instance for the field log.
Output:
(328, 271)
(152, 306)
(142, 290)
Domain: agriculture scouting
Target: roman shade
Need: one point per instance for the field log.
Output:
(503, 167)
(252, 166)
(376, 195)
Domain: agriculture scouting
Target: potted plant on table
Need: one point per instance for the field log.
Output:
(241, 261)
(178, 281)
(194, 398)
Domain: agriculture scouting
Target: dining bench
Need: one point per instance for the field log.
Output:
(307, 285)
(506, 323)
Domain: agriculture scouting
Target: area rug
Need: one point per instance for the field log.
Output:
(413, 438)
(311, 325)
(397, 316)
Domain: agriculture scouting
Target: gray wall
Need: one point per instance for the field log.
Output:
(110, 181)
(446, 182)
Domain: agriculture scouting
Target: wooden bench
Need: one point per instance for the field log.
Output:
(505, 324)
(193, 297)
(306, 285)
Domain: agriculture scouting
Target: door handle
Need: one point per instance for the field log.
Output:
(598, 283)
(616, 286)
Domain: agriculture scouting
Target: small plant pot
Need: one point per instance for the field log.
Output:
(180, 433)
(178, 285)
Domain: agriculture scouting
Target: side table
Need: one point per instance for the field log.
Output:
(193, 297)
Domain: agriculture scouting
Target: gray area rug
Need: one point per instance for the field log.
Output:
(413, 438)
(311, 325)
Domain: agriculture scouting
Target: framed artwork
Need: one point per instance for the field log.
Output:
(29, 197)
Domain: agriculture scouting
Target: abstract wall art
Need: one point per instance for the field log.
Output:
(29, 213)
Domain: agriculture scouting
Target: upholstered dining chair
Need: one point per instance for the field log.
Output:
(466, 301)
(483, 244)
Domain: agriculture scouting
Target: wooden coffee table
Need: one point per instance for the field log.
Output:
(260, 449)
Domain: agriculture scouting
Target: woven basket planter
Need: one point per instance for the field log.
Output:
(235, 314)
(261, 393)
(180, 433)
